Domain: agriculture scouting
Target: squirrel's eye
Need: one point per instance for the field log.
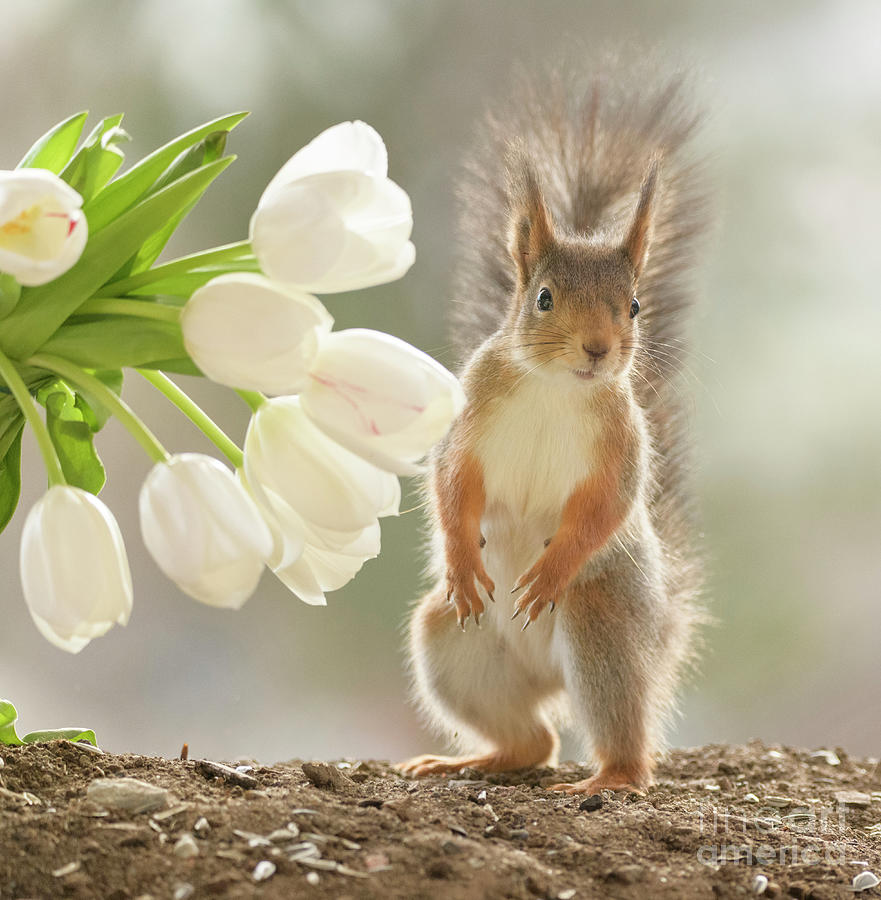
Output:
(634, 308)
(545, 300)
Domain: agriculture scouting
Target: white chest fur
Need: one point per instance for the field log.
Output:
(537, 445)
(535, 448)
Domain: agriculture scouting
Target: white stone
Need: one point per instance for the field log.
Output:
(186, 847)
(127, 794)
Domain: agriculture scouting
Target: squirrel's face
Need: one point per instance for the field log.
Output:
(574, 310)
(576, 315)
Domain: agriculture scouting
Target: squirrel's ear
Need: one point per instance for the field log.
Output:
(636, 244)
(531, 231)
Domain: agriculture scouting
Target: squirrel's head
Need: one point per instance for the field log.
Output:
(575, 305)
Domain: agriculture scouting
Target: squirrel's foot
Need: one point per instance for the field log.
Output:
(606, 780)
(498, 761)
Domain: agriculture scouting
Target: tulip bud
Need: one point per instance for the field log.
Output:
(74, 570)
(331, 220)
(290, 463)
(381, 398)
(42, 228)
(203, 530)
(248, 332)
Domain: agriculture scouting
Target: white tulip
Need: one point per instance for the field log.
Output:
(331, 220)
(42, 227)
(248, 332)
(381, 398)
(203, 530)
(310, 560)
(290, 464)
(74, 570)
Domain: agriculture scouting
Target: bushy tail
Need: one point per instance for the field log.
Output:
(590, 138)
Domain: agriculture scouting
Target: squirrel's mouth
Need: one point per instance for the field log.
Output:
(585, 374)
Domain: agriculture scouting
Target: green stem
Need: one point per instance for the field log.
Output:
(179, 266)
(29, 409)
(195, 414)
(143, 309)
(254, 399)
(82, 379)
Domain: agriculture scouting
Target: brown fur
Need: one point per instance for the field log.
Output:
(593, 217)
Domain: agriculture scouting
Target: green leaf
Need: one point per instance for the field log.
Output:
(94, 413)
(206, 151)
(42, 310)
(134, 185)
(98, 159)
(182, 366)
(184, 285)
(53, 150)
(10, 471)
(134, 342)
(9, 716)
(10, 291)
(72, 438)
(235, 257)
(61, 734)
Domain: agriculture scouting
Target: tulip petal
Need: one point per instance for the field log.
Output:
(299, 579)
(389, 264)
(297, 234)
(248, 332)
(349, 146)
(324, 483)
(381, 398)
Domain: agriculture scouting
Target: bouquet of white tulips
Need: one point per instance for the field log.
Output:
(82, 297)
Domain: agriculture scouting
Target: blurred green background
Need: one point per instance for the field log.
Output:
(785, 384)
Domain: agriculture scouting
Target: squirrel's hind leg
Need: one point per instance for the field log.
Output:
(472, 684)
(619, 672)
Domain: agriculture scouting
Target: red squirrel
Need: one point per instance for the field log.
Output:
(559, 504)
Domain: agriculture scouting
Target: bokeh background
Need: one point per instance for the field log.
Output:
(785, 383)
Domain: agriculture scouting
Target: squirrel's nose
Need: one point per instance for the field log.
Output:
(595, 352)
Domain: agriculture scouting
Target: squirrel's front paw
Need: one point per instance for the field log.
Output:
(462, 590)
(544, 587)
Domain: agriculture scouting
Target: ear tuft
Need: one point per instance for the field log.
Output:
(531, 231)
(636, 244)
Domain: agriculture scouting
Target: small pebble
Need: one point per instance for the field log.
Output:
(591, 804)
(127, 794)
(263, 870)
(201, 826)
(313, 878)
(865, 881)
(853, 798)
(186, 847)
(183, 891)
(752, 798)
(760, 884)
(828, 756)
(325, 776)
(567, 894)
(519, 834)
(69, 869)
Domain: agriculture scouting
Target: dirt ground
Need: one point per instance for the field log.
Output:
(718, 819)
